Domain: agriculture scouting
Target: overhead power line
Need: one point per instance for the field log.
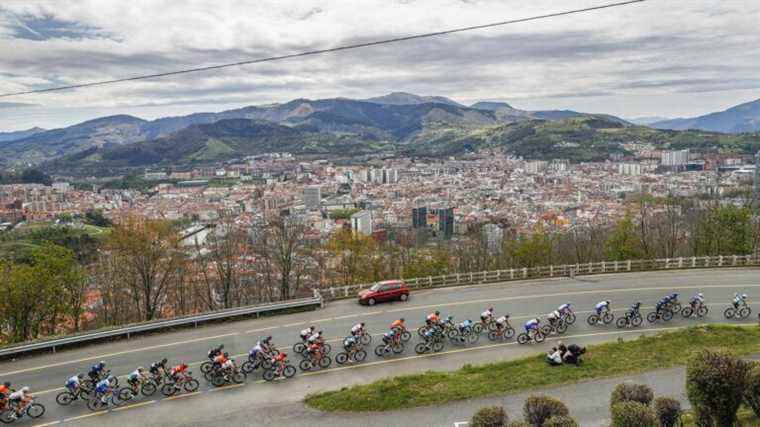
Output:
(323, 51)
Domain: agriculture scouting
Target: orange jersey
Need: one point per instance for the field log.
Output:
(398, 324)
(220, 359)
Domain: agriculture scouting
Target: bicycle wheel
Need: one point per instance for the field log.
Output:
(667, 315)
(366, 339)
(191, 385)
(360, 355)
(540, 337)
(248, 367)
(268, 375)
(493, 335)
(570, 318)
(267, 362)
(523, 338)
(218, 381)
(148, 388)
(421, 330)
(397, 348)
(652, 317)
(592, 320)
(168, 389)
(305, 365)
(561, 328)
(509, 332)
(289, 371)
(492, 326)
(327, 347)
(65, 398)
(406, 336)
(607, 318)
(95, 404)
(687, 312)
(477, 328)
(702, 311)
(437, 346)
(206, 367)
(420, 348)
(341, 358)
(636, 321)
(380, 350)
(35, 410)
(299, 347)
(325, 362)
(729, 313)
(744, 312)
(238, 377)
(546, 329)
(124, 394)
(676, 307)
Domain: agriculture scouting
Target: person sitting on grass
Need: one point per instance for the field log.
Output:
(574, 353)
(554, 357)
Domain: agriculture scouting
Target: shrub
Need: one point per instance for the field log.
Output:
(668, 411)
(628, 392)
(633, 414)
(490, 416)
(752, 392)
(518, 424)
(715, 385)
(538, 409)
(560, 421)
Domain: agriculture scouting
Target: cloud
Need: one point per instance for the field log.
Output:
(646, 51)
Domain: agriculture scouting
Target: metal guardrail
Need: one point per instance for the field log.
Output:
(550, 271)
(194, 320)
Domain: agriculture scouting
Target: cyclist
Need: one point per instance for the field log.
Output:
(221, 359)
(279, 363)
(158, 368)
(390, 337)
(262, 346)
(96, 371)
(565, 308)
(434, 318)
(19, 400)
(358, 329)
(532, 326)
(351, 344)
(465, 326)
(739, 299)
(136, 377)
(177, 372)
(216, 351)
(487, 315)
(315, 339)
(502, 321)
(672, 299)
(103, 389)
(663, 303)
(697, 300)
(5, 391)
(634, 310)
(308, 332)
(399, 325)
(74, 383)
(602, 306)
(553, 317)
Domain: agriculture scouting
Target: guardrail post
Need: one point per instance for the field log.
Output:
(525, 272)
(430, 281)
(511, 273)
(604, 267)
(616, 265)
(667, 263)
(551, 271)
(735, 259)
(707, 261)
(720, 261)
(629, 265)
(680, 262)
(590, 268)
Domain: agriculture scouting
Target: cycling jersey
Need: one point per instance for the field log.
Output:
(601, 306)
(103, 386)
(220, 359)
(502, 320)
(72, 383)
(228, 364)
(662, 303)
(486, 314)
(398, 324)
(179, 369)
(356, 328)
(256, 349)
(306, 333)
(433, 318)
(531, 324)
(314, 338)
(465, 324)
(349, 342)
(554, 315)
(17, 395)
(563, 308)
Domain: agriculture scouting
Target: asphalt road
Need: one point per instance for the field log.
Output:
(277, 404)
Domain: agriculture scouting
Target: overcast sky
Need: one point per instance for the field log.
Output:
(659, 58)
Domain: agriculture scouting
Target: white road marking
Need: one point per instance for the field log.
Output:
(461, 423)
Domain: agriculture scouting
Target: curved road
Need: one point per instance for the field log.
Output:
(278, 404)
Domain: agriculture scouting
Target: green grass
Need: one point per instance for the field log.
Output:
(605, 360)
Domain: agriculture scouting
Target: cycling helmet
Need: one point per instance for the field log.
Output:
(8, 384)
(267, 339)
(700, 295)
(163, 361)
(490, 308)
(437, 313)
(226, 354)
(25, 389)
(80, 376)
(319, 333)
(450, 318)
(674, 296)
(744, 296)
(608, 303)
(102, 364)
(140, 369)
(312, 327)
(402, 319)
(362, 323)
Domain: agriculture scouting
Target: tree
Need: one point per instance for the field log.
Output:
(752, 392)
(724, 230)
(627, 392)
(668, 411)
(533, 250)
(282, 254)
(35, 176)
(490, 416)
(715, 384)
(538, 409)
(96, 218)
(623, 244)
(633, 414)
(149, 261)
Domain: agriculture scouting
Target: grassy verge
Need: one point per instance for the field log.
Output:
(432, 388)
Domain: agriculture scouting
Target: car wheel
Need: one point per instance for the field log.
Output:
(404, 297)
(371, 301)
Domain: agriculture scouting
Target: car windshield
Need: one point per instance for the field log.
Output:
(376, 287)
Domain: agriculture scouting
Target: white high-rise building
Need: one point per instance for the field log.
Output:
(361, 222)
(537, 166)
(312, 197)
(390, 176)
(675, 158)
(630, 169)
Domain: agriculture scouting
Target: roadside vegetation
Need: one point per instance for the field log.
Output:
(605, 360)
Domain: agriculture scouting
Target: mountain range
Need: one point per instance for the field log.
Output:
(395, 124)
(741, 118)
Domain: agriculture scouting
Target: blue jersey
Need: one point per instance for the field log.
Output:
(531, 324)
(103, 386)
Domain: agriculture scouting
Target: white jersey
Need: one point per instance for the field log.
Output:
(74, 380)
(563, 307)
(502, 320)
(306, 332)
(356, 328)
(554, 315)
(17, 395)
(601, 305)
(313, 338)
(487, 313)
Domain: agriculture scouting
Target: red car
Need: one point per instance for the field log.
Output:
(384, 291)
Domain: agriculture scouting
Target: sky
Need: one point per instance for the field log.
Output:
(668, 58)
